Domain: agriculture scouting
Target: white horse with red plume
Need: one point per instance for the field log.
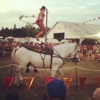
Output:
(55, 60)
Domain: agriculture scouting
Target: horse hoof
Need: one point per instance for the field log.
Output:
(35, 70)
(18, 85)
(21, 82)
(27, 70)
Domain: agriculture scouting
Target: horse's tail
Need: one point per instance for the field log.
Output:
(13, 54)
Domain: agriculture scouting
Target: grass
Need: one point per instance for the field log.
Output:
(38, 87)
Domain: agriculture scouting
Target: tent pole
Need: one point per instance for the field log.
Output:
(46, 24)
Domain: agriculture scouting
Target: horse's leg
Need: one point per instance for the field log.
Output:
(54, 71)
(60, 73)
(18, 76)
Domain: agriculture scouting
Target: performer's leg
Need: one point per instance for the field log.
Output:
(40, 34)
(42, 28)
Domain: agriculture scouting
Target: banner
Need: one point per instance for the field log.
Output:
(48, 79)
(97, 80)
(67, 82)
(82, 82)
(28, 81)
(91, 20)
(8, 81)
(98, 17)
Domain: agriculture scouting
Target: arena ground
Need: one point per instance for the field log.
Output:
(38, 87)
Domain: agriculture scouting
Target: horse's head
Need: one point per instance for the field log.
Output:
(73, 52)
(67, 50)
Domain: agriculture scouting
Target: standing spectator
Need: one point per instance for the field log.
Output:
(95, 47)
(93, 55)
(89, 53)
(84, 51)
(1, 51)
(4, 49)
(81, 55)
(8, 49)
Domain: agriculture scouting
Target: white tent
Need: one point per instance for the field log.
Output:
(10, 38)
(72, 30)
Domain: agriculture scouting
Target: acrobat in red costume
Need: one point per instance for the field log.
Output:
(40, 23)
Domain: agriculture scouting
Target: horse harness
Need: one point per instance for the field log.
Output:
(52, 54)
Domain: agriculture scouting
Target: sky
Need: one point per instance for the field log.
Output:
(78, 11)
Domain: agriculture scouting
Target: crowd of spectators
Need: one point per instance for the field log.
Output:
(92, 53)
(6, 47)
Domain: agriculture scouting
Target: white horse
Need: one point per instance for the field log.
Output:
(22, 56)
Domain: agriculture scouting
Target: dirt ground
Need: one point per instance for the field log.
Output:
(38, 87)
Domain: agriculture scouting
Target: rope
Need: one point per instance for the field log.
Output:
(52, 18)
(6, 66)
(68, 11)
(11, 71)
(20, 18)
(50, 69)
(88, 69)
(5, 52)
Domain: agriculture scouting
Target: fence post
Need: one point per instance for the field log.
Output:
(11, 70)
(76, 77)
(46, 24)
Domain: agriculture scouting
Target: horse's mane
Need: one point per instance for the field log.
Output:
(65, 44)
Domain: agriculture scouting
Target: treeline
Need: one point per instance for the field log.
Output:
(20, 32)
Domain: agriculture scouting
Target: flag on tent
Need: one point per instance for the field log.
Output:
(98, 17)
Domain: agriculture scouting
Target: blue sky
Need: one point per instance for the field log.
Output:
(59, 10)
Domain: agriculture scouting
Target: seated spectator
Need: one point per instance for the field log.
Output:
(12, 96)
(56, 90)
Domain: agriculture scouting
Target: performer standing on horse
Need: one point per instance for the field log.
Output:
(40, 21)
